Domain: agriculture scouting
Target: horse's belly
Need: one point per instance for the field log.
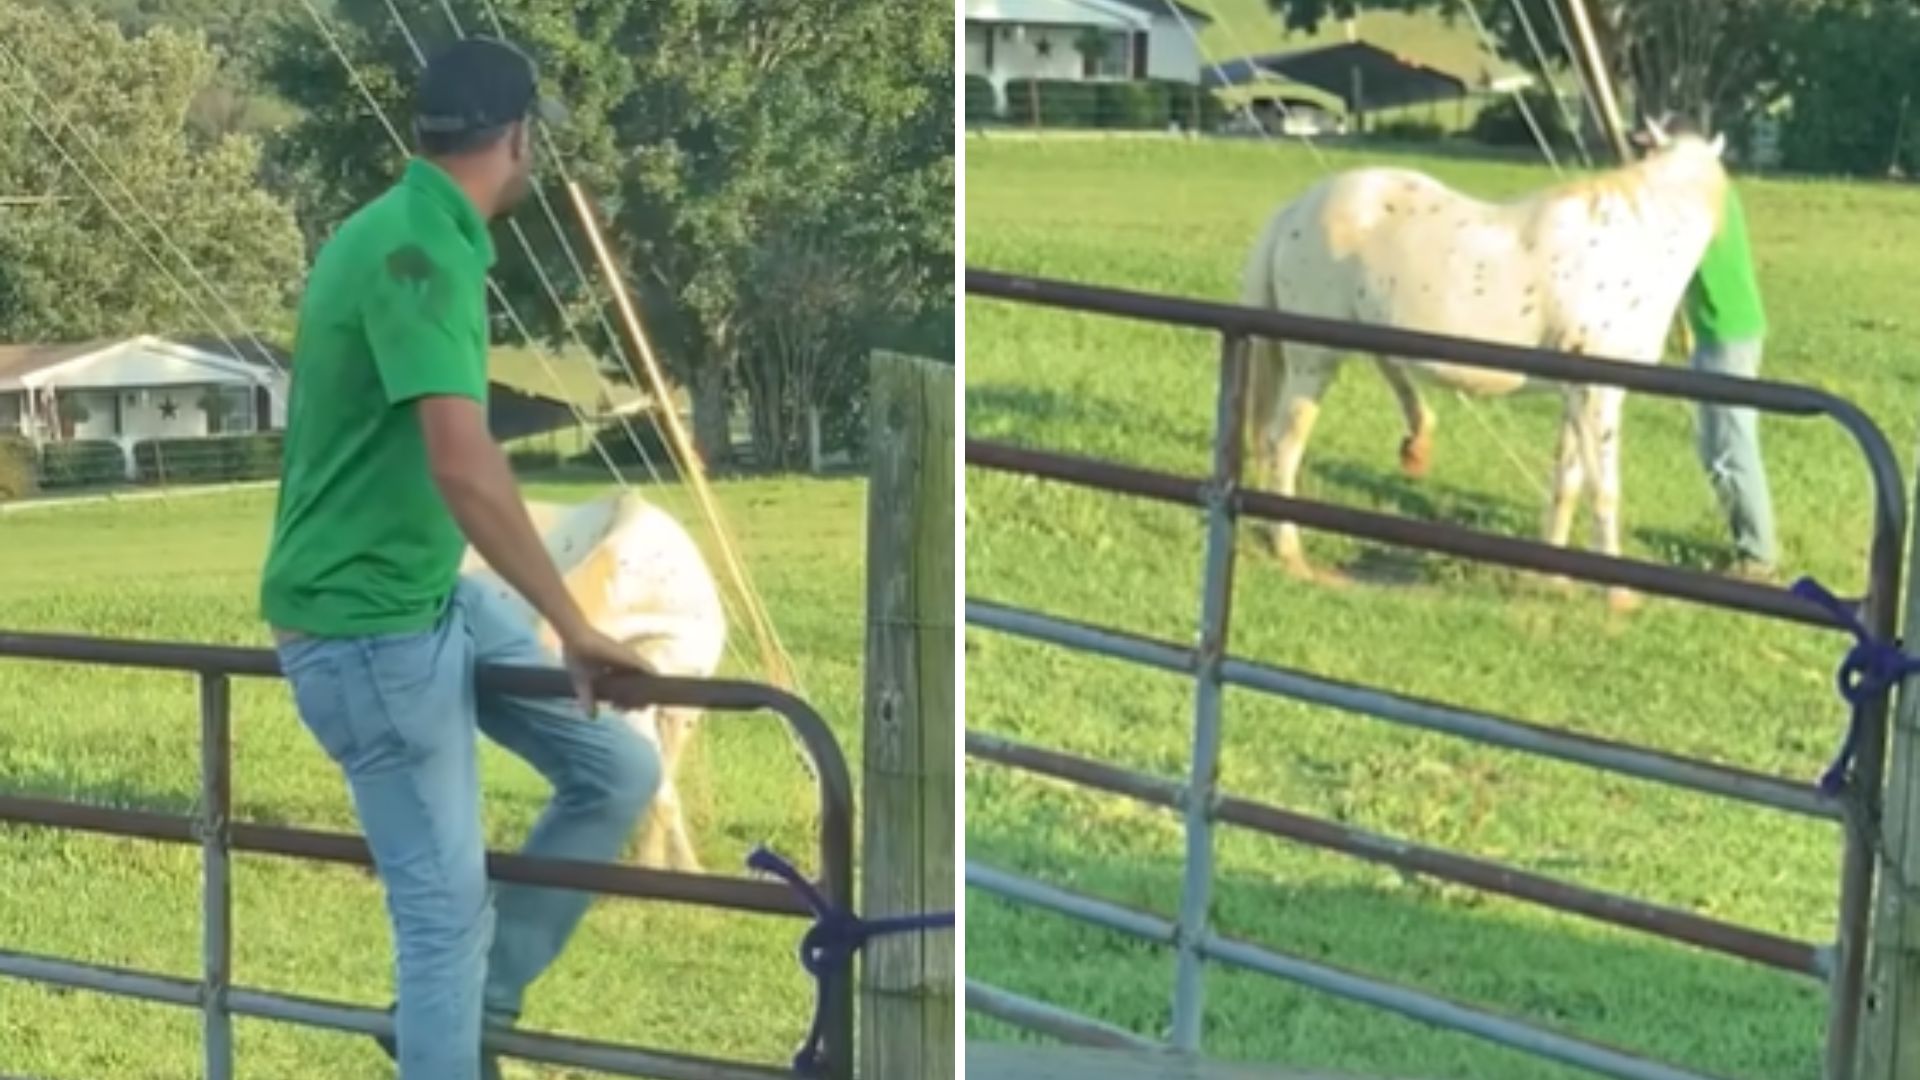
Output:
(1488, 311)
(1481, 382)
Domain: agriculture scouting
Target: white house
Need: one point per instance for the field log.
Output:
(131, 390)
(1048, 39)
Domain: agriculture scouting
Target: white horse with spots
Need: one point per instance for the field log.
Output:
(641, 579)
(1595, 266)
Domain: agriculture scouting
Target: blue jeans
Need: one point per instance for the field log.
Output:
(398, 713)
(1729, 449)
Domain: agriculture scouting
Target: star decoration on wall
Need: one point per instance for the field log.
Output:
(168, 410)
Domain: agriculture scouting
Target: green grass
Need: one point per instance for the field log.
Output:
(661, 975)
(1179, 218)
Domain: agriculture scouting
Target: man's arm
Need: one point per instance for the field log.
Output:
(478, 486)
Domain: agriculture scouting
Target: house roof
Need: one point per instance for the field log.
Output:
(1386, 79)
(1161, 7)
(141, 360)
(1082, 12)
(17, 361)
(244, 347)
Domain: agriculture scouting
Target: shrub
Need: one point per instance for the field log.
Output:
(1194, 108)
(533, 459)
(1134, 105)
(17, 468)
(210, 460)
(258, 456)
(1063, 103)
(1405, 130)
(1502, 123)
(620, 446)
(980, 105)
(86, 463)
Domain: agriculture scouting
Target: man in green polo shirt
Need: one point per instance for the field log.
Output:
(390, 470)
(1723, 309)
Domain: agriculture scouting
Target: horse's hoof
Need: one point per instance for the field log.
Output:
(1328, 577)
(1416, 453)
(1623, 601)
(1268, 537)
(1333, 579)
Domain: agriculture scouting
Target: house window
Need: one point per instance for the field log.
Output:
(1105, 54)
(979, 49)
(232, 412)
(10, 414)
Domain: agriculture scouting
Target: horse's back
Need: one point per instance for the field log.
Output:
(1396, 247)
(628, 562)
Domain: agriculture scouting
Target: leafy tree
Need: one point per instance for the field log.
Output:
(68, 267)
(234, 29)
(1715, 59)
(1854, 88)
(701, 128)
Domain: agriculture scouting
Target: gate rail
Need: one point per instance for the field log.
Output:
(1841, 965)
(218, 836)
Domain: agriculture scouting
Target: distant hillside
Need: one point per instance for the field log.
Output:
(567, 376)
(1249, 26)
(1243, 27)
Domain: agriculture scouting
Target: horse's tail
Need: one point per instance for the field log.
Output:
(1256, 278)
(1266, 359)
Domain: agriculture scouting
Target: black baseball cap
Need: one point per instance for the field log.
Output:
(478, 84)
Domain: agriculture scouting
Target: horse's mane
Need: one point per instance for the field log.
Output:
(1635, 185)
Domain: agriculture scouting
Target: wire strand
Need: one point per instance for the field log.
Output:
(760, 621)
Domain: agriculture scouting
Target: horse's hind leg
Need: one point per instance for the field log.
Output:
(1288, 385)
(676, 731)
(1416, 450)
(1569, 470)
(1603, 429)
(664, 841)
(1569, 474)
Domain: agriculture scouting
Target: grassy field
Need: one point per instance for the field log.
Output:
(1178, 217)
(661, 975)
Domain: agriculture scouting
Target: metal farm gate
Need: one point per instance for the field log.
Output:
(1841, 965)
(218, 836)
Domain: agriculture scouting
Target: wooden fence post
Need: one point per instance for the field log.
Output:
(1889, 1024)
(906, 993)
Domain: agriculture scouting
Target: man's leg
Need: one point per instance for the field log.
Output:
(1729, 449)
(603, 775)
(396, 712)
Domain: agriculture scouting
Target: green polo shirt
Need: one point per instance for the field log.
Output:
(395, 310)
(1723, 300)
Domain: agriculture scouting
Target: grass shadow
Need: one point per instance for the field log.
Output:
(1699, 1010)
(1687, 551)
(130, 794)
(1426, 500)
(1000, 409)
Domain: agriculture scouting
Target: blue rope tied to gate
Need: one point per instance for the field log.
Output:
(836, 935)
(1869, 670)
